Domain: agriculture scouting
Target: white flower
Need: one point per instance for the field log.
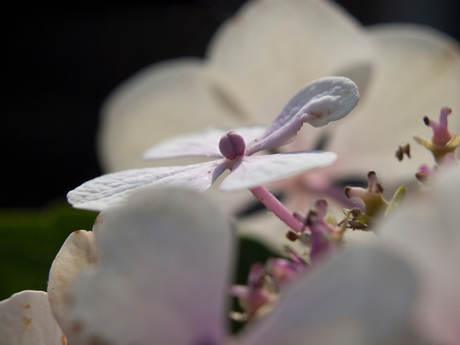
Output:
(266, 52)
(156, 271)
(317, 103)
(260, 57)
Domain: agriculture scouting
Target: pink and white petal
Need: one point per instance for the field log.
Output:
(253, 171)
(426, 232)
(417, 73)
(26, 319)
(205, 143)
(164, 263)
(317, 103)
(270, 49)
(158, 102)
(363, 296)
(112, 189)
(78, 252)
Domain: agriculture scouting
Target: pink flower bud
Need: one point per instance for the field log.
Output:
(232, 145)
(441, 135)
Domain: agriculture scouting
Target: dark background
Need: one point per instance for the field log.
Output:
(63, 61)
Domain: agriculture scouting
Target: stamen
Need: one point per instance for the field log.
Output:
(403, 150)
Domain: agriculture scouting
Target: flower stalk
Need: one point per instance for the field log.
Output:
(275, 206)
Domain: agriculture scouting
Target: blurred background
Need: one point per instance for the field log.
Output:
(61, 63)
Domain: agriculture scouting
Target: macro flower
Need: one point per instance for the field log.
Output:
(267, 51)
(164, 263)
(261, 56)
(318, 103)
(157, 270)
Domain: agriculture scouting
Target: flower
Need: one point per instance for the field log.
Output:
(443, 144)
(261, 56)
(425, 231)
(267, 51)
(318, 103)
(27, 320)
(157, 103)
(162, 268)
(164, 262)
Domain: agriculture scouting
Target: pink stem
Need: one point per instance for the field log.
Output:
(274, 205)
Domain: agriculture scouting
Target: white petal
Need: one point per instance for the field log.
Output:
(159, 102)
(253, 171)
(426, 231)
(113, 189)
(417, 73)
(205, 143)
(366, 292)
(317, 103)
(270, 49)
(164, 263)
(26, 319)
(76, 254)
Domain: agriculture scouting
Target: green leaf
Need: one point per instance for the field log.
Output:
(30, 240)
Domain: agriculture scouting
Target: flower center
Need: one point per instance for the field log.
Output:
(232, 145)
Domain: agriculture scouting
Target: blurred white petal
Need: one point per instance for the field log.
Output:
(159, 102)
(417, 73)
(78, 252)
(205, 143)
(426, 232)
(270, 49)
(363, 296)
(253, 171)
(164, 263)
(26, 319)
(112, 189)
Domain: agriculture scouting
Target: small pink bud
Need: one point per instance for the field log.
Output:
(424, 173)
(232, 145)
(441, 135)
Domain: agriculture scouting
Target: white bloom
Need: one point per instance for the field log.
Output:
(261, 56)
(266, 52)
(163, 272)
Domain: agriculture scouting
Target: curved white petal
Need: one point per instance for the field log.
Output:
(26, 319)
(317, 103)
(363, 296)
(270, 49)
(426, 231)
(112, 189)
(164, 263)
(205, 143)
(417, 73)
(158, 102)
(78, 252)
(253, 171)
